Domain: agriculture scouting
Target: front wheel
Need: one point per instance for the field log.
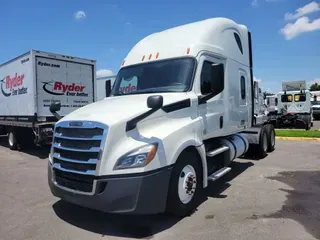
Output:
(185, 186)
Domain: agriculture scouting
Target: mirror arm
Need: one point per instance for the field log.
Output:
(204, 98)
(56, 115)
(133, 122)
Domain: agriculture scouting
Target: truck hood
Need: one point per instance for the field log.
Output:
(117, 109)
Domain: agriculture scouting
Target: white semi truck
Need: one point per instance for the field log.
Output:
(180, 111)
(294, 106)
(103, 84)
(272, 103)
(315, 102)
(30, 83)
(260, 108)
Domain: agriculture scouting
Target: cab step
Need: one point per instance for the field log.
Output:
(217, 151)
(218, 174)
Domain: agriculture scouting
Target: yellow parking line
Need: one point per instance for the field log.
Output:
(298, 139)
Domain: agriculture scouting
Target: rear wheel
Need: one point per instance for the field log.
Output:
(185, 185)
(271, 137)
(262, 147)
(12, 139)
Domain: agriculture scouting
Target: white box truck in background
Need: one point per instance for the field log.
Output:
(180, 111)
(30, 83)
(102, 84)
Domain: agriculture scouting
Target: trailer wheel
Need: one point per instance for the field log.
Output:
(185, 185)
(12, 139)
(262, 148)
(271, 137)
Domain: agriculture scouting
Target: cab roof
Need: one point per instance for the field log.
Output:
(218, 35)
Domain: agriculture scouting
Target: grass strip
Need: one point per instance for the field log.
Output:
(297, 133)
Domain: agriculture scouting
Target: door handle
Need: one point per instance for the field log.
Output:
(221, 121)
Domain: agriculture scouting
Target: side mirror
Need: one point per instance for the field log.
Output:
(55, 107)
(108, 88)
(217, 78)
(155, 102)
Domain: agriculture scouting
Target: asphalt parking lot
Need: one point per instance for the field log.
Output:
(274, 198)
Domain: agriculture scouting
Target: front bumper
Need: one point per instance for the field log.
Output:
(134, 194)
(316, 111)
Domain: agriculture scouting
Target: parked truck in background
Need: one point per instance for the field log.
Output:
(272, 103)
(294, 106)
(30, 83)
(180, 111)
(315, 102)
(260, 108)
(102, 84)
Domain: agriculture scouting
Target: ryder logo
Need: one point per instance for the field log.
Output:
(59, 88)
(11, 86)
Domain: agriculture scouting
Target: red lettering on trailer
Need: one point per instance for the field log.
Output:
(16, 81)
(59, 86)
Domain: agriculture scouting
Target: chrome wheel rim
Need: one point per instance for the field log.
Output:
(187, 184)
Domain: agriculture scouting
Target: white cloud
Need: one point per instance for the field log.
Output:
(80, 15)
(302, 25)
(104, 73)
(305, 10)
(254, 3)
(256, 79)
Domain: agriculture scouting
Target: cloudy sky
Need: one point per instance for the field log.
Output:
(286, 33)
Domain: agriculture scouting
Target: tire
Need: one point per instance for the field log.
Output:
(25, 139)
(12, 139)
(179, 202)
(262, 148)
(271, 137)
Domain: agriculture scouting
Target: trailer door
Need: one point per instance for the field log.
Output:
(70, 83)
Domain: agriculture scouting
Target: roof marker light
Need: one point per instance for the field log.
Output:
(123, 62)
(143, 58)
(150, 56)
(188, 50)
(157, 55)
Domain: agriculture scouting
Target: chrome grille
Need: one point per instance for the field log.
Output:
(76, 152)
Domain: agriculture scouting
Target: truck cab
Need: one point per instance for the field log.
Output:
(315, 102)
(272, 103)
(180, 111)
(294, 105)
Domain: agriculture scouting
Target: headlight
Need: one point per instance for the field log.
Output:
(137, 158)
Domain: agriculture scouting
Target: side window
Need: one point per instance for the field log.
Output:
(299, 97)
(210, 75)
(206, 78)
(243, 87)
(238, 40)
(286, 98)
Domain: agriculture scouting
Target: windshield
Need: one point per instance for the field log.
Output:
(286, 98)
(300, 97)
(174, 75)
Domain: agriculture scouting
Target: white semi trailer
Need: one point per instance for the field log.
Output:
(30, 83)
(103, 84)
(180, 111)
